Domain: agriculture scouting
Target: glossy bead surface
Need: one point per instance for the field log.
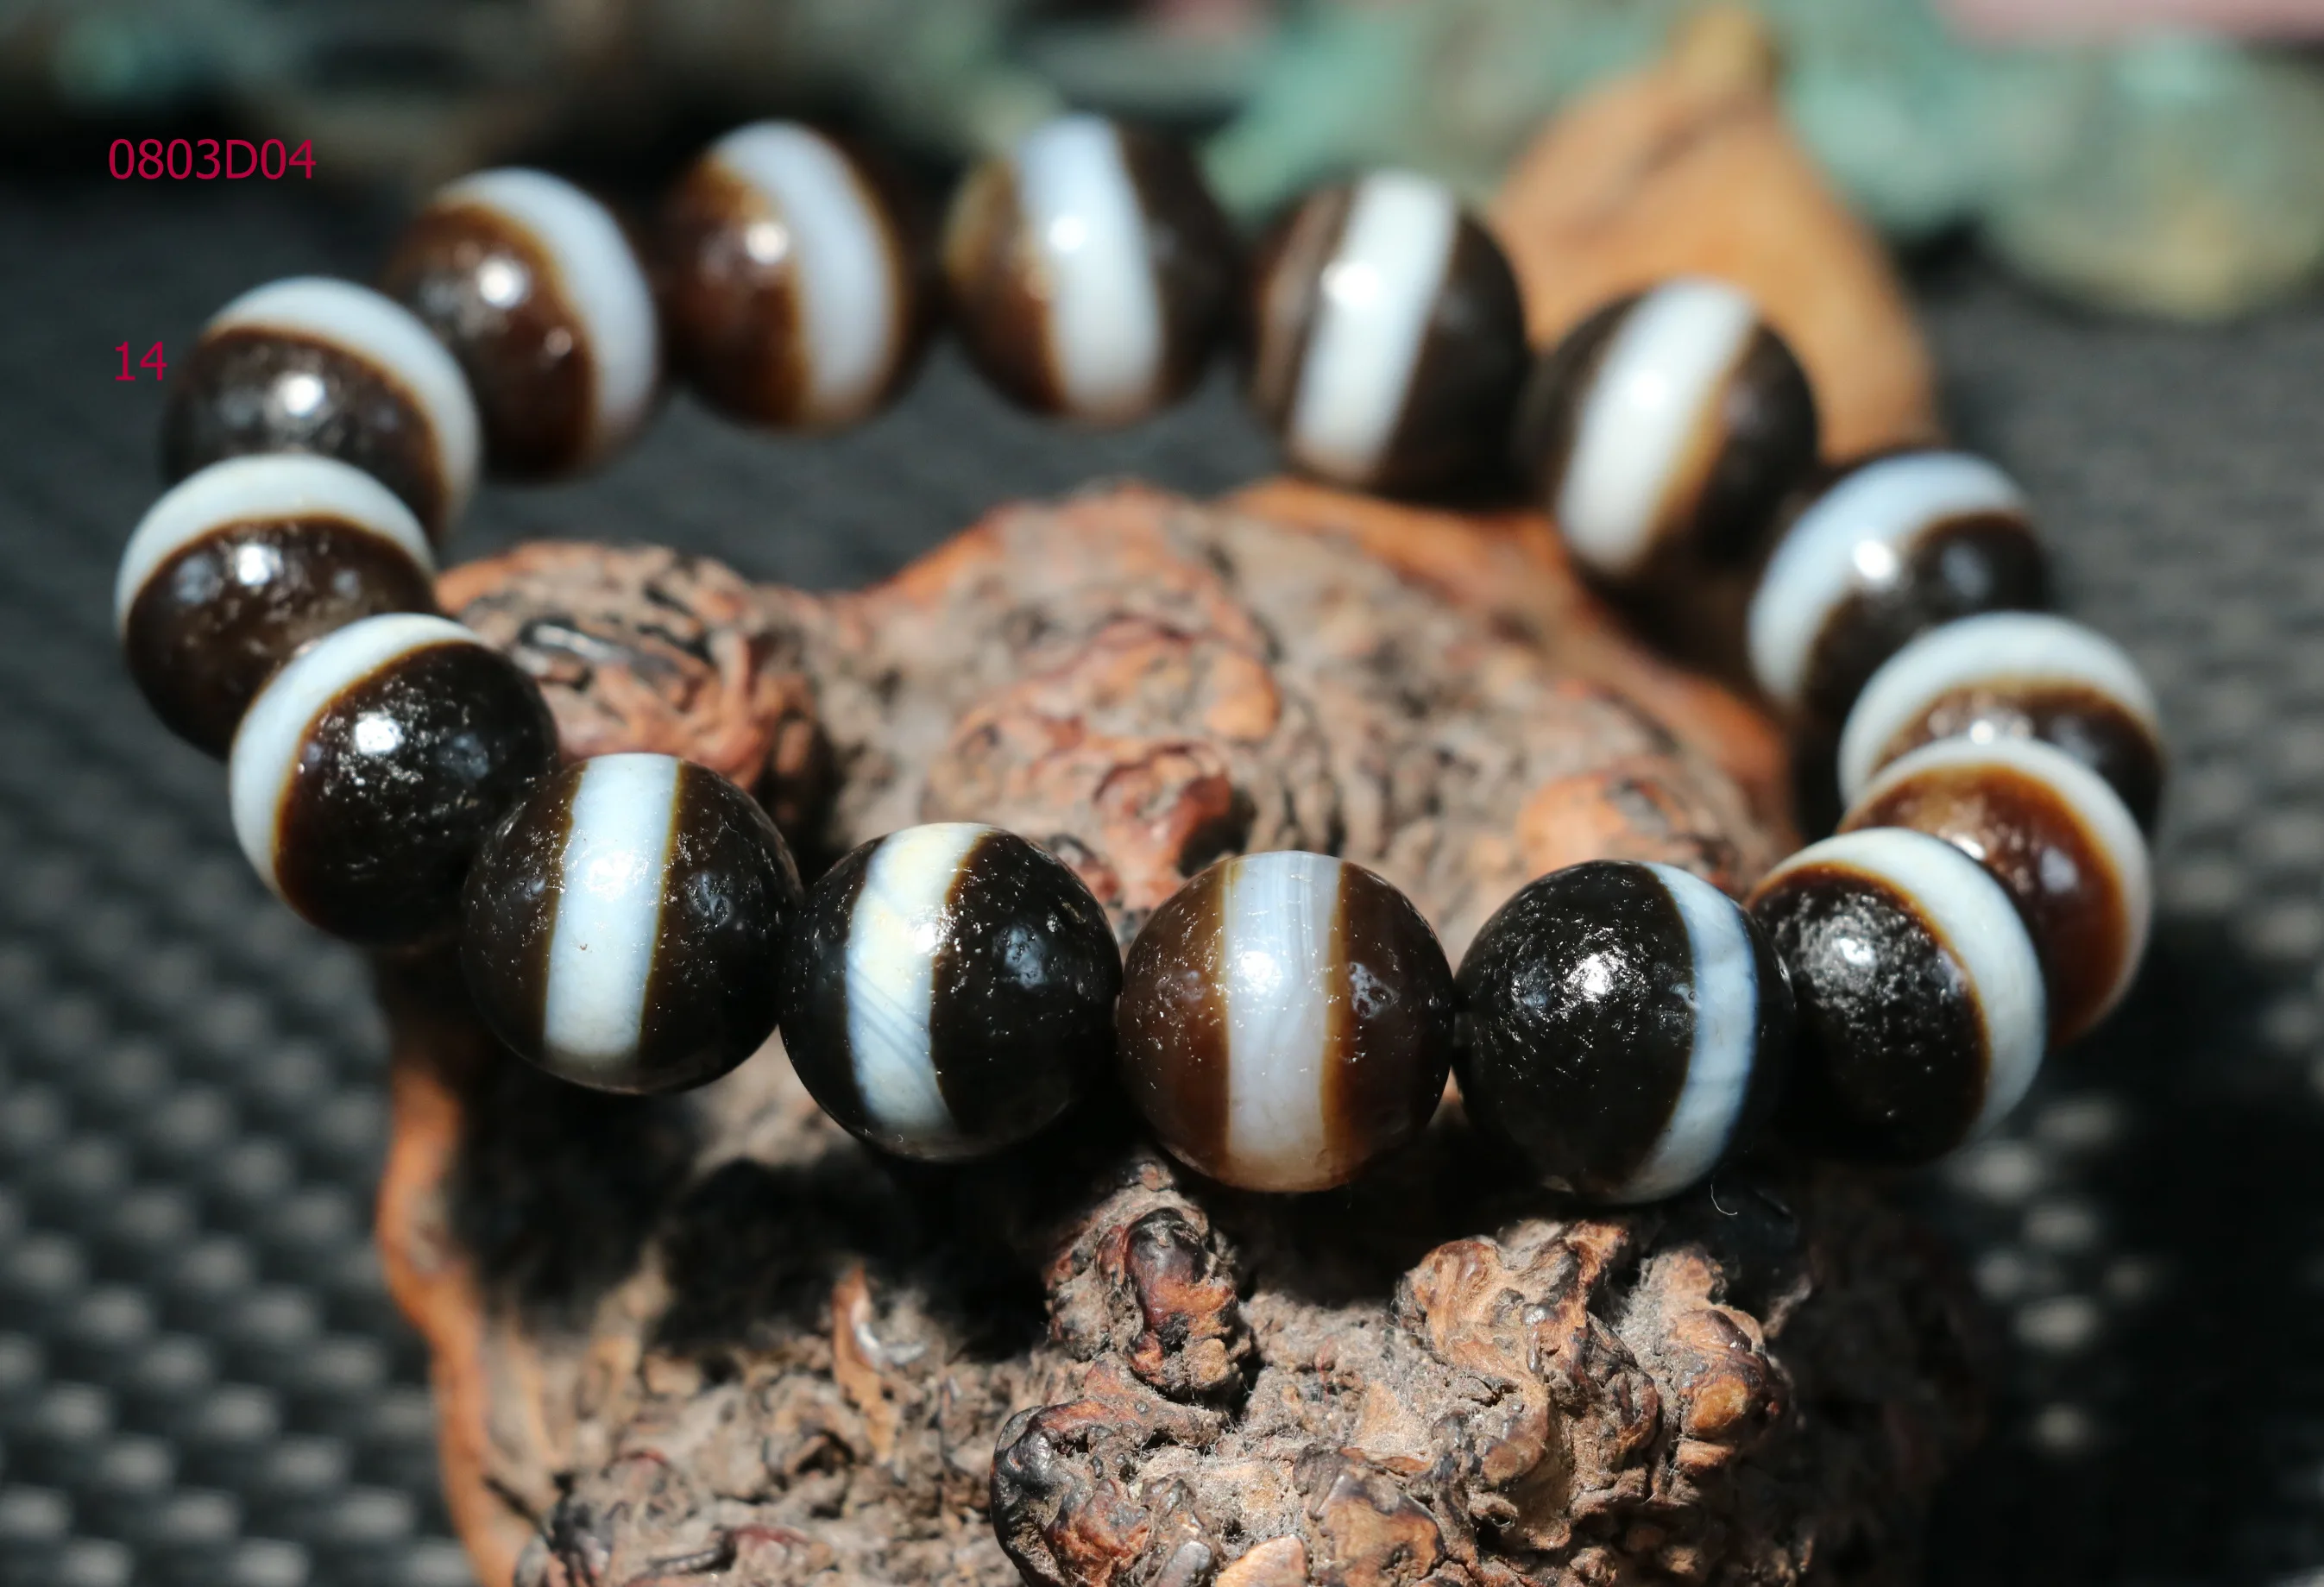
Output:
(1628, 1025)
(949, 991)
(1673, 420)
(1286, 1019)
(239, 565)
(1090, 273)
(312, 365)
(2059, 841)
(532, 285)
(1391, 337)
(1919, 1009)
(2013, 675)
(1891, 549)
(793, 289)
(622, 928)
(369, 769)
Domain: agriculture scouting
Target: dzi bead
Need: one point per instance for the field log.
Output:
(1627, 1025)
(1918, 995)
(310, 364)
(624, 928)
(1286, 1019)
(2059, 841)
(1894, 547)
(532, 284)
(949, 990)
(243, 562)
(1391, 337)
(2013, 675)
(370, 768)
(1671, 421)
(793, 287)
(1090, 272)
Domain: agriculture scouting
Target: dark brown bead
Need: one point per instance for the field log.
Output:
(1890, 549)
(1090, 273)
(2059, 841)
(1286, 1019)
(793, 276)
(665, 980)
(368, 770)
(1918, 998)
(242, 564)
(309, 364)
(532, 285)
(1388, 337)
(1664, 431)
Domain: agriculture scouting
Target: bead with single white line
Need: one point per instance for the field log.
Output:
(1627, 1028)
(622, 927)
(949, 991)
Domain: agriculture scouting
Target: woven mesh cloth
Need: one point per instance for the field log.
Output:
(202, 1382)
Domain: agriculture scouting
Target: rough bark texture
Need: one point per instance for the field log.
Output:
(709, 1339)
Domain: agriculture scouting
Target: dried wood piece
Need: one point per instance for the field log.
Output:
(712, 1338)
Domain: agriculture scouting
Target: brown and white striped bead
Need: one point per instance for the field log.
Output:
(239, 565)
(949, 990)
(1891, 549)
(1390, 337)
(1286, 1019)
(2059, 841)
(1919, 1016)
(1674, 419)
(624, 928)
(1090, 272)
(369, 769)
(791, 283)
(312, 365)
(533, 286)
(2013, 675)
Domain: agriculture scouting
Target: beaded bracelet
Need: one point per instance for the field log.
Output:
(636, 924)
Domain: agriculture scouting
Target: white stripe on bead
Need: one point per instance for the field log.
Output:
(1666, 363)
(262, 488)
(274, 729)
(844, 262)
(1995, 647)
(1725, 979)
(893, 934)
(1372, 313)
(1080, 207)
(1277, 912)
(610, 887)
(1855, 537)
(2103, 817)
(382, 330)
(1976, 920)
(601, 280)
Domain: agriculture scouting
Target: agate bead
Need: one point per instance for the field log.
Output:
(2059, 841)
(2013, 675)
(1626, 1026)
(1673, 420)
(949, 991)
(369, 769)
(1286, 1019)
(1391, 337)
(239, 565)
(622, 928)
(1894, 546)
(311, 364)
(1918, 995)
(1090, 272)
(793, 290)
(533, 286)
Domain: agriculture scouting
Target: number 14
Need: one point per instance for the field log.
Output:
(153, 361)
